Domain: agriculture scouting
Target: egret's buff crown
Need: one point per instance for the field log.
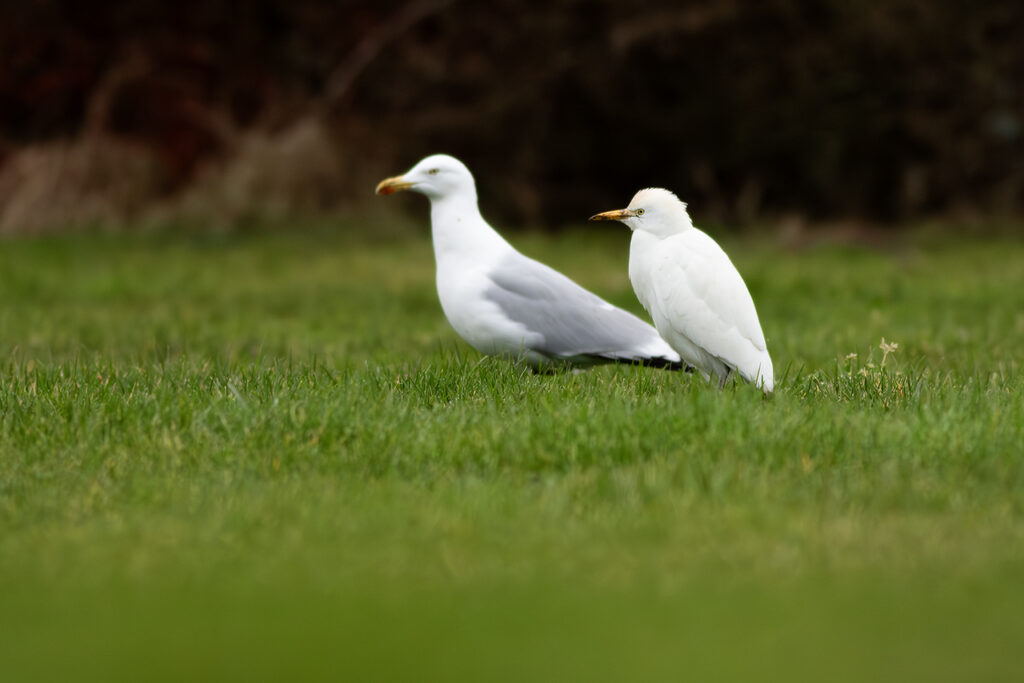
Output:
(658, 212)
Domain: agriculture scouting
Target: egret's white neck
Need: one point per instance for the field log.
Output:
(676, 221)
(642, 245)
(458, 229)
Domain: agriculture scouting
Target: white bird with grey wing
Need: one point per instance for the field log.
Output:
(504, 303)
(694, 293)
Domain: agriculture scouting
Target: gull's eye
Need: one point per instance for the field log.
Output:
(639, 212)
(434, 171)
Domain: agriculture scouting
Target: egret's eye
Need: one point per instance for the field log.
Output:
(639, 212)
(434, 171)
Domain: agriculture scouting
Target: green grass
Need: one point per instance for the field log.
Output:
(270, 458)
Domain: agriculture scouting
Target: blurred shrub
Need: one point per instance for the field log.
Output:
(884, 110)
(268, 176)
(89, 183)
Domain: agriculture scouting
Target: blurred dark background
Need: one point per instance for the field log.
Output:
(125, 113)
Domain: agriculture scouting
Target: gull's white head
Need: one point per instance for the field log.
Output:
(437, 176)
(653, 210)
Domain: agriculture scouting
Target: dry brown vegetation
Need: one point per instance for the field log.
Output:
(212, 113)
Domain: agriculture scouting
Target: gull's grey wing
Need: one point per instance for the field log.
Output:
(572, 321)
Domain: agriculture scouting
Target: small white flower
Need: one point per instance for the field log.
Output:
(887, 349)
(850, 356)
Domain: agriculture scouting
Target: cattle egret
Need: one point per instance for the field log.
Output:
(694, 293)
(506, 304)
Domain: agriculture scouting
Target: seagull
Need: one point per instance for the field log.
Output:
(694, 293)
(506, 304)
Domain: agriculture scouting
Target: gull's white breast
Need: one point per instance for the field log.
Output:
(478, 320)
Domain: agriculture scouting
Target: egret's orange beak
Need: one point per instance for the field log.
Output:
(393, 185)
(616, 215)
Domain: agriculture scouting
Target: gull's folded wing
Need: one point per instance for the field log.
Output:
(572, 321)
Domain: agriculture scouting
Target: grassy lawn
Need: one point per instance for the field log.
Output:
(269, 458)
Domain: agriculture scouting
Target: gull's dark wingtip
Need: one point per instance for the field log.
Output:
(657, 362)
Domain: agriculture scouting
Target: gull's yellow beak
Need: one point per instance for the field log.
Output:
(617, 215)
(393, 185)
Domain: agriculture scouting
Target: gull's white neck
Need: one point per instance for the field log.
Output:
(459, 231)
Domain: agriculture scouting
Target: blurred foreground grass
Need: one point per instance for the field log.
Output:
(269, 457)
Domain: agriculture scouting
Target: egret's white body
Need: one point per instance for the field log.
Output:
(504, 303)
(695, 295)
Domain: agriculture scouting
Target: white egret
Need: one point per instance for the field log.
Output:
(694, 293)
(504, 303)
